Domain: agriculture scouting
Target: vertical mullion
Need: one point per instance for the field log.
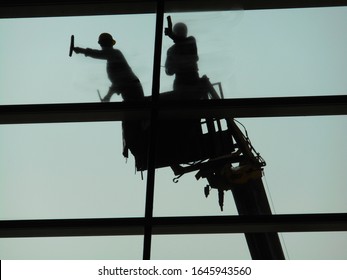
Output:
(153, 132)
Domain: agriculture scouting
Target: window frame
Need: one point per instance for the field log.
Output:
(155, 109)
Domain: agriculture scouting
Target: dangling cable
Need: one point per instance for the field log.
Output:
(258, 156)
(244, 128)
(274, 210)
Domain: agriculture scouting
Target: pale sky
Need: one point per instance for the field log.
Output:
(76, 170)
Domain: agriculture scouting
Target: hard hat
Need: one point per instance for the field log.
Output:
(106, 40)
(180, 29)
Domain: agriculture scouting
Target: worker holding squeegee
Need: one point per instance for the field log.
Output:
(123, 79)
(182, 61)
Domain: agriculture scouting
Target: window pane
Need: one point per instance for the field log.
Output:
(200, 247)
(72, 248)
(36, 67)
(71, 170)
(316, 245)
(262, 53)
(304, 172)
(305, 162)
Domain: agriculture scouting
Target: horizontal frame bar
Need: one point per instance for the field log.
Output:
(50, 8)
(78, 112)
(257, 107)
(175, 225)
(118, 111)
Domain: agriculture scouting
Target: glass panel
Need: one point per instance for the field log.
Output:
(36, 67)
(316, 245)
(305, 159)
(200, 247)
(71, 170)
(304, 172)
(72, 248)
(260, 53)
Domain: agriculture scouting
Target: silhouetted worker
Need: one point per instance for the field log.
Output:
(182, 60)
(123, 79)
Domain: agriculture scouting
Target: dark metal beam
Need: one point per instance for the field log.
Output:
(175, 225)
(51, 8)
(43, 8)
(225, 5)
(148, 227)
(258, 107)
(117, 111)
(78, 112)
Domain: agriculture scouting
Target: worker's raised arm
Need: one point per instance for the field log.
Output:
(169, 32)
(98, 54)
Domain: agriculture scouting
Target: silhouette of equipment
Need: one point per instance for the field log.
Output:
(214, 148)
(221, 153)
(169, 25)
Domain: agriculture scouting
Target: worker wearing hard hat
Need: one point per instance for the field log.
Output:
(123, 79)
(182, 60)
